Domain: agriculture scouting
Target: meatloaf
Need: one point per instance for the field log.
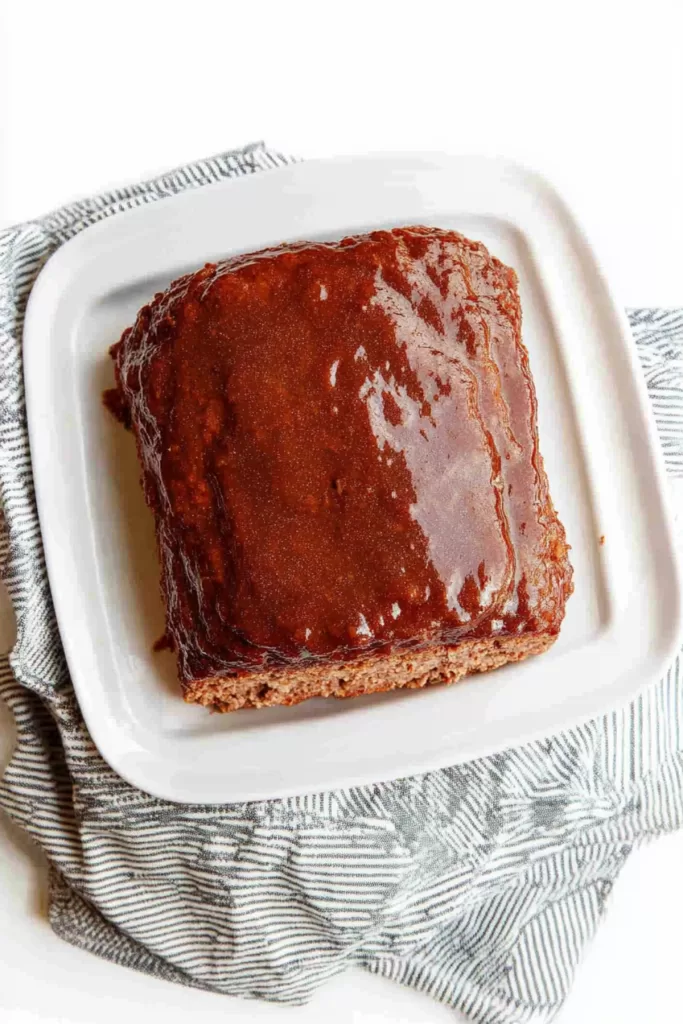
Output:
(339, 444)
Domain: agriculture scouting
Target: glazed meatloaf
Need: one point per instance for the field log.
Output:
(338, 442)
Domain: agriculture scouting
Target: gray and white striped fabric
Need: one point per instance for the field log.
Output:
(479, 884)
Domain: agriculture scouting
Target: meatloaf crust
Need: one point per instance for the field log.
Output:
(339, 445)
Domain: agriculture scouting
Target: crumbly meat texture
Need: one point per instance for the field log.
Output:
(339, 445)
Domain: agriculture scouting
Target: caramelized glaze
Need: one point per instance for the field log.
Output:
(339, 445)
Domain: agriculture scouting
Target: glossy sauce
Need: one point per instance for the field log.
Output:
(339, 444)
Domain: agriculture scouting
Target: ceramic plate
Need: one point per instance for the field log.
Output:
(596, 433)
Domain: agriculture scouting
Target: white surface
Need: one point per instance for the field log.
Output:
(587, 92)
(592, 94)
(597, 439)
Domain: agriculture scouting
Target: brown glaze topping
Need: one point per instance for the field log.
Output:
(115, 401)
(339, 445)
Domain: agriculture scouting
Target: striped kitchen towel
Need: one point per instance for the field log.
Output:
(479, 884)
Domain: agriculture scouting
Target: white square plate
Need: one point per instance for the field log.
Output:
(597, 436)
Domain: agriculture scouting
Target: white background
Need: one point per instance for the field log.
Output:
(97, 94)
